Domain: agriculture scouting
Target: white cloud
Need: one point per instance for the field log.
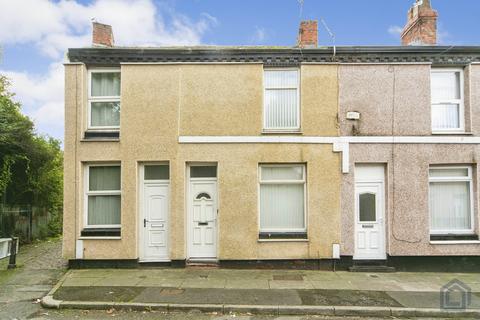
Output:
(41, 97)
(395, 30)
(259, 35)
(53, 26)
(443, 36)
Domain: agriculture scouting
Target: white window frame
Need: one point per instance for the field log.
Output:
(468, 179)
(92, 99)
(460, 102)
(296, 128)
(88, 193)
(265, 182)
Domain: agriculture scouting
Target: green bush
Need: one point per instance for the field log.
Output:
(31, 165)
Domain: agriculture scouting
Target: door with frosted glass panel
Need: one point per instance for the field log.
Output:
(370, 227)
(202, 213)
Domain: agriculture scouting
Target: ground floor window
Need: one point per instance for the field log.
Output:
(451, 200)
(102, 199)
(282, 198)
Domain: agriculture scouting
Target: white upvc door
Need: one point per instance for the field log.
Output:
(154, 209)
(370, 243)
(202, 218)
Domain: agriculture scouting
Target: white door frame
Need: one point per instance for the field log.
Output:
(378, 182)
(141, 193)
(188, 213)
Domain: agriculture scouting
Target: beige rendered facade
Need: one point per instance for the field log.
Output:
(162, 102)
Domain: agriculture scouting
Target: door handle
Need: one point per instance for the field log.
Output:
(145, 223)
(203, 223)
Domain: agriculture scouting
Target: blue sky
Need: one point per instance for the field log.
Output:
(34, 34)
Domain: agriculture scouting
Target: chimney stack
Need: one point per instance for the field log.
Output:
(102, 35)
(421, 27)
(308, 34)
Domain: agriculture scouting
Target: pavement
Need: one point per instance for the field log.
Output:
(212, 293)
(276, 292)
(39, 268)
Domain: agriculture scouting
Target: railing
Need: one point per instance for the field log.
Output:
(9, 248)
(26, 222)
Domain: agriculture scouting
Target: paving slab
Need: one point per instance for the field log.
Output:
(115, 281)
(80, 282)
(286, 284)
(203, 283)
(158, 282)
(338, 284)
(246, 284)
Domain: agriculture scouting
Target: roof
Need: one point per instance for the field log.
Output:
(277, 56)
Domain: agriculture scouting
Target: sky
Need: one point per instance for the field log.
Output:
(35, 34)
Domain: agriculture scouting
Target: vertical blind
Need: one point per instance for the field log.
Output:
(450, 203)
(281, 99)
(105, 99)
(282, 199)
(103, 195)
(105, 114)
(446, 100)
(105, 84)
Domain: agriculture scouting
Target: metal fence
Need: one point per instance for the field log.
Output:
(26, 222)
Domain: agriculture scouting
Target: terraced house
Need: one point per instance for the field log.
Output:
(299, 156)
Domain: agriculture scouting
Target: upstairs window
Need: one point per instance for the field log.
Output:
(104, 99)
(447, 100)
(451, 200)
(281, 100)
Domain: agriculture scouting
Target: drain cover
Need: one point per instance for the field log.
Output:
(288, 277)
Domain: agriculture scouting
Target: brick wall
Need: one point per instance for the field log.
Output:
(308, 34)
(102, 35)
(421, 27)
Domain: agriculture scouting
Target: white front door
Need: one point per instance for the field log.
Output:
(202, 215)
(369, 218)
(154, 209)
(370, 238)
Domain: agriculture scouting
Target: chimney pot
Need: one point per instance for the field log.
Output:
(308, 34)
(102, 35)
(421, 27)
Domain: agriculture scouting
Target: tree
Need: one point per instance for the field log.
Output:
(31, 165)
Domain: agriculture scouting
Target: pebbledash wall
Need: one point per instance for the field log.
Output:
(160, 103)
(395, 101)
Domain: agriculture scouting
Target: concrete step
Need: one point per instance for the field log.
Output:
(202, 263)
(371, 268)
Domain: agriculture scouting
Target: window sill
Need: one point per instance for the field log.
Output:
(452, 133)
(282, 236)
(274, 132)
(101, 233)
(454, 237)
(99, 140)
(99, 238)
(113, 135)
(455, 242)
(283, 240)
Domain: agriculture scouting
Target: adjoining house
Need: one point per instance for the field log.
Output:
(285, 156)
